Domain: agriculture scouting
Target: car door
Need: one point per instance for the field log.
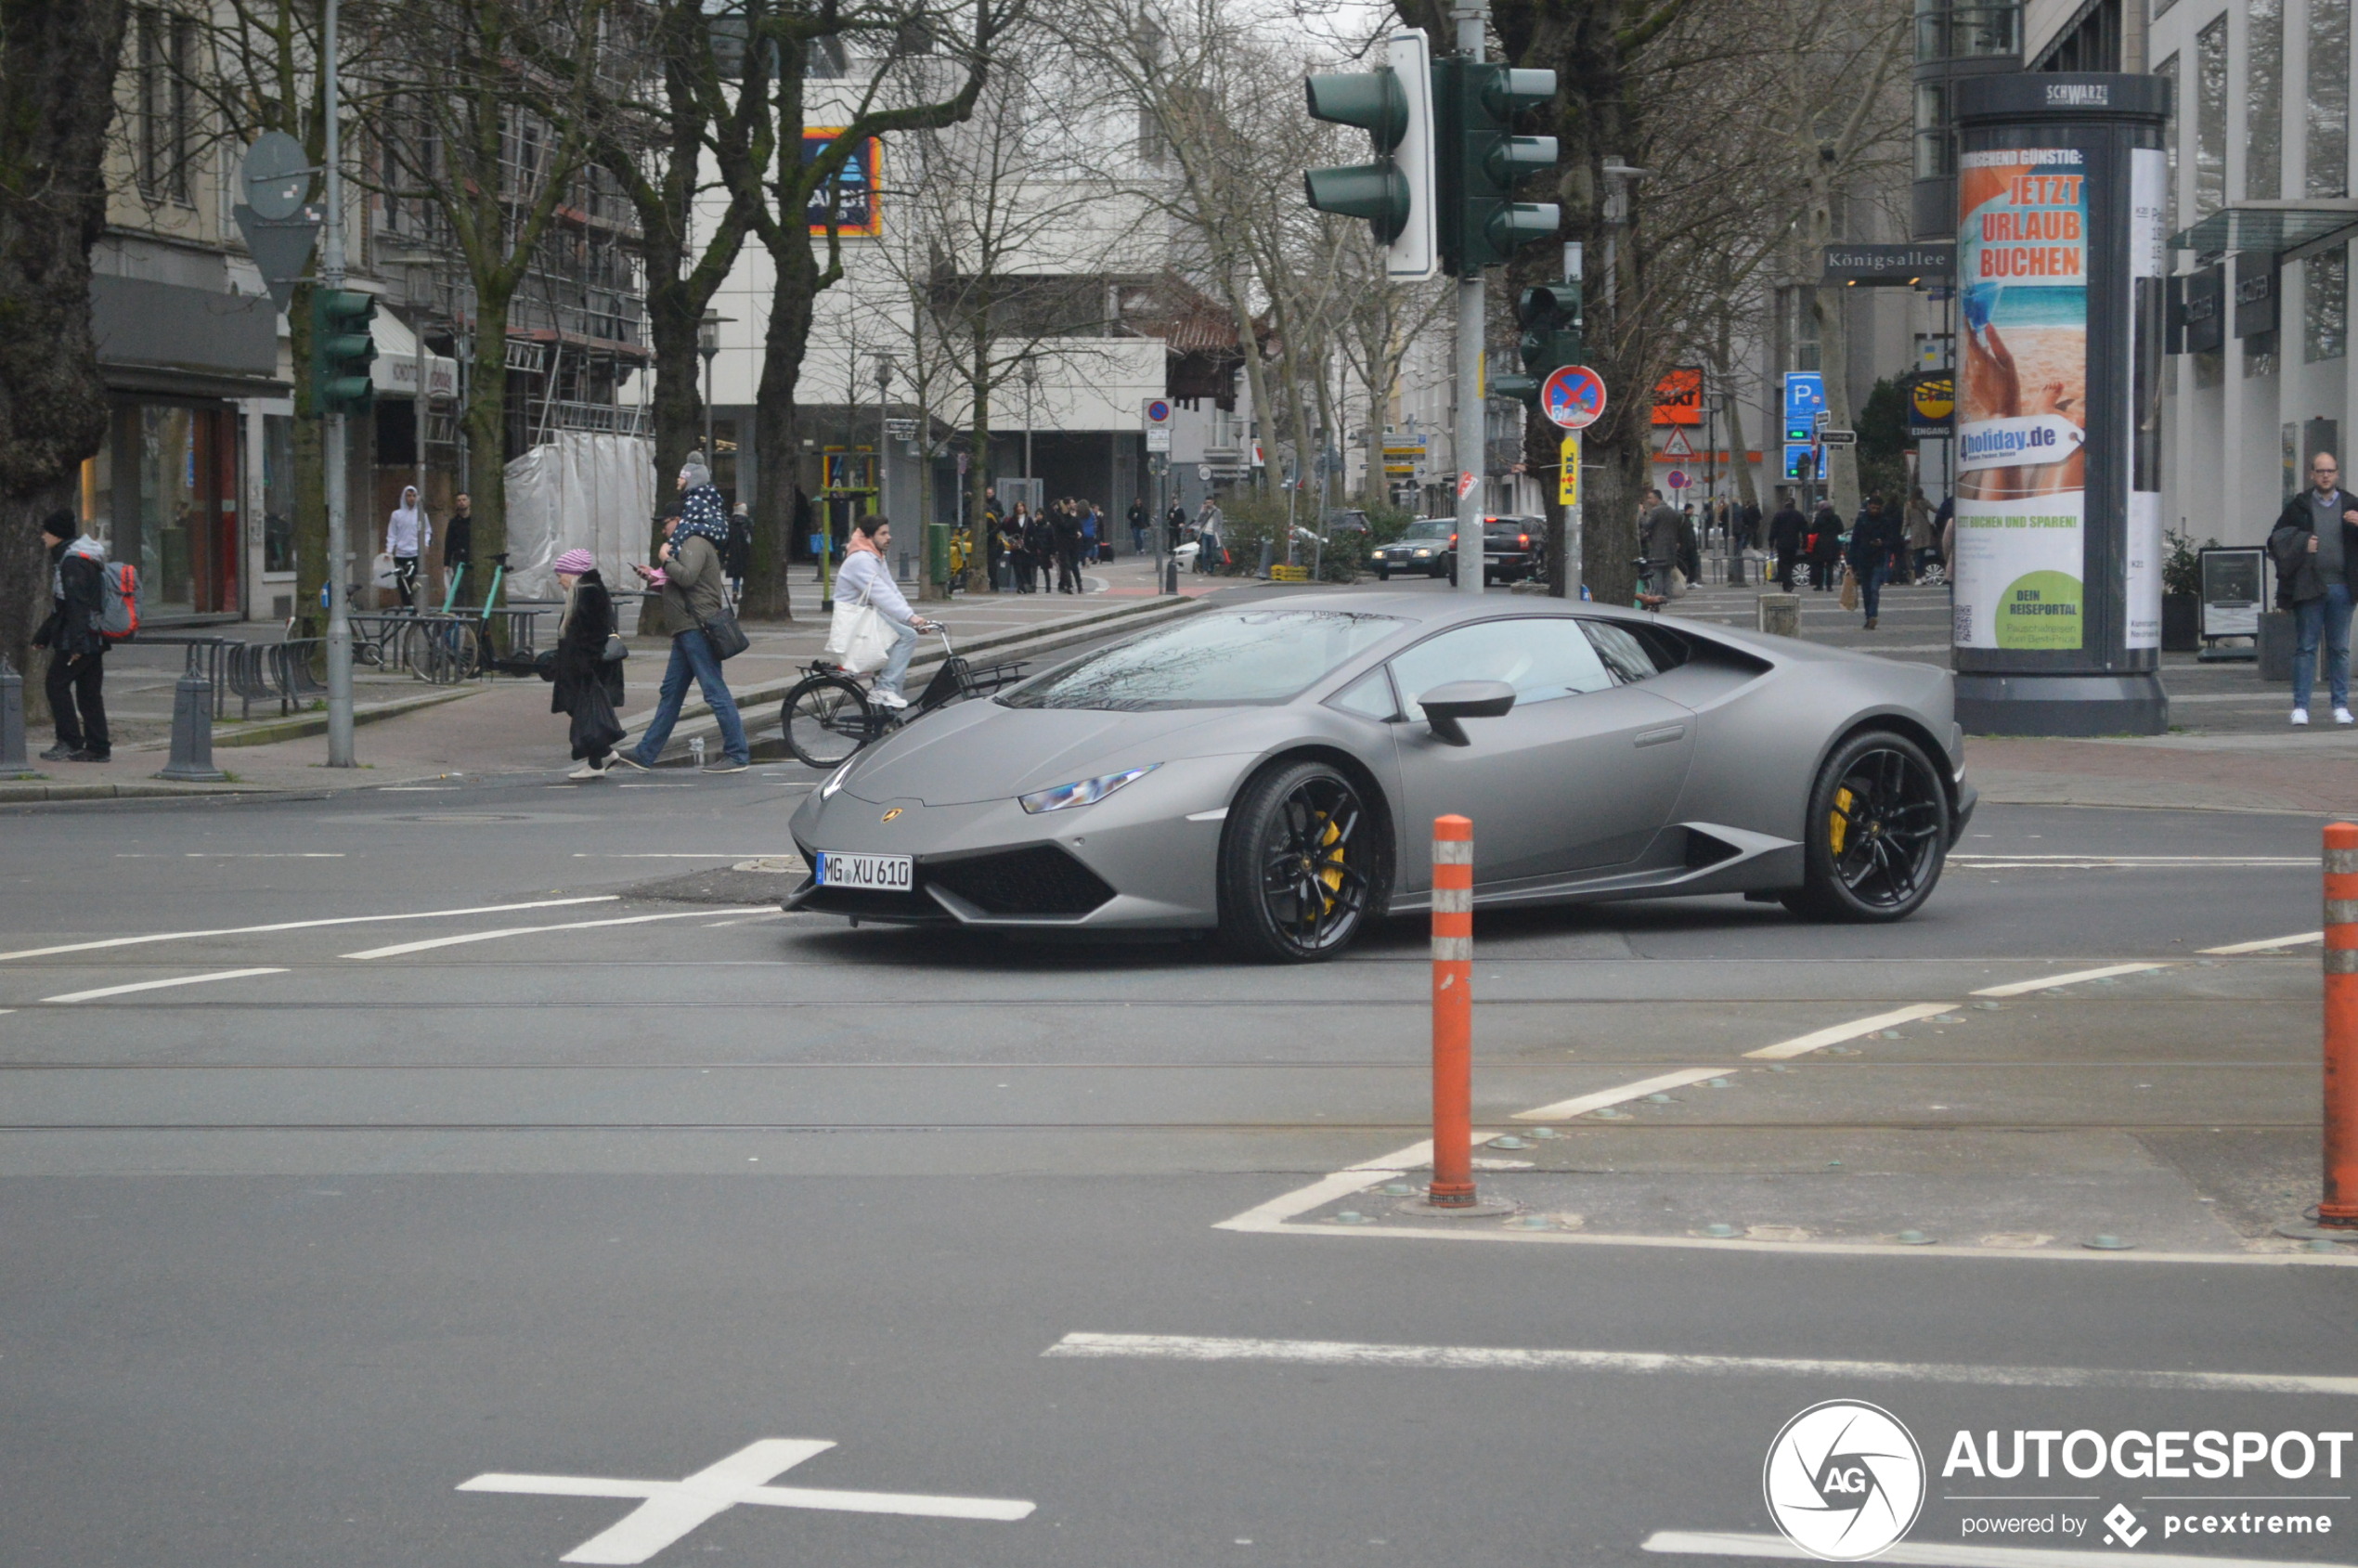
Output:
(1577, 778)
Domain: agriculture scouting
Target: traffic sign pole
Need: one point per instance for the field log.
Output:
(339, 569)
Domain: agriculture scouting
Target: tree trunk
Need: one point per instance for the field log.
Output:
(1739, 456)
(56, 74)
(486, 421)
(1377, 489)
(673, 316)
(778, 423)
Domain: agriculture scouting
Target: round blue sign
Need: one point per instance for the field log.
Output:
(1574, 398)
(1158, 412)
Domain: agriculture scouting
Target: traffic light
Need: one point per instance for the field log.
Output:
(1393, 105)
(1483, 161)
(1550, 319)
(342, 347)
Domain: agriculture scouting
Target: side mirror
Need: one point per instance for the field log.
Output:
(1445, 706)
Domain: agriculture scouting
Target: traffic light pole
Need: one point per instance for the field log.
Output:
(332, 277)
(1471, 16)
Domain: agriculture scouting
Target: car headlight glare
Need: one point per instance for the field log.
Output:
(834, 780)
(1423, 554)
(1081, 792)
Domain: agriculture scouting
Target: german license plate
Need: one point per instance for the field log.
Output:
(892, 874)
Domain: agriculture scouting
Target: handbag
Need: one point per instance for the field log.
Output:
(859, 638)
(1849, 589)
(616, 649)
(726, 637)
(1678, 583)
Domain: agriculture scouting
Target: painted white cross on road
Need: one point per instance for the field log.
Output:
(671, 1508)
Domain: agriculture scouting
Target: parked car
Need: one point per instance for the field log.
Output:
(1512, 549)
(1422, 550)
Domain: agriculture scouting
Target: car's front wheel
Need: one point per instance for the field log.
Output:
(1877, 832)
(1383, 574)
(1302, 863)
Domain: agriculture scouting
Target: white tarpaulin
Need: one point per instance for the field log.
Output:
(580, 492)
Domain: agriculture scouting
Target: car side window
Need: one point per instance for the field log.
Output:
(1623, 654)
(1541, 657)
(1369, 697)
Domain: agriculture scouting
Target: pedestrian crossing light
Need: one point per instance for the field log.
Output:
(344, 346)
(1395, 193)
(1482, 163)
(1549, 315)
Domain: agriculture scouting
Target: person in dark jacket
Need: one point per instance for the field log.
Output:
(77, 653)
(1875, 542)
(588, 684)
(458, 544)
(736, 555)
(1786, 531)
(2314, 545)
(1825, 547)
(1071, 539)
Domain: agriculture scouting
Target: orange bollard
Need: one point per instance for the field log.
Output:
(2338, 1207)
(1453, 1186)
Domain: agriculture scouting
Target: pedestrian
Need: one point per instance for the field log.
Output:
(586, 684)
(1825, 547)
(1659, 531)
(1174, 527)
(1039, 540)
(1876, 540)
(1944, 523)
(2314, 544)
(1690, 547)
(1070, 544)
(1748, 526)
(1920, 532)
(690, 575)
(77, 678)
(736, 556)
(865, 581)
(1138, 519)
(1786, 531)
(1211, 548)
(408, 532)
(458, 546)
(1012, 550)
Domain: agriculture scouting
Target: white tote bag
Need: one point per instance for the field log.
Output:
(859, 638)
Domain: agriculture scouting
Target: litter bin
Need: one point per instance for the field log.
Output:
(937, 558)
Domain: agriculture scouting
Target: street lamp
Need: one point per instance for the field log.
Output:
(1031, 389)
(709, 344)
(1617, 177)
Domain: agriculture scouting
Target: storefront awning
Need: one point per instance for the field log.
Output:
(394, 374)
(2269, 228)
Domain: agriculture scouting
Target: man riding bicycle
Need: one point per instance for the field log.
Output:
(863, 577)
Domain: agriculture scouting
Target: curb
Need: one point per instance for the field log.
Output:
(30, 791)
(295, 726)
(696, 720)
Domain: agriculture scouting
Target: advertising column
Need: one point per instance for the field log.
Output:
(2058, 590)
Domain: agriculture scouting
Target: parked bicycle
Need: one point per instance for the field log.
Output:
(829, 716)
(449, 648)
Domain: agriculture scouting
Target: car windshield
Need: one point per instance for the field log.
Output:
(1239, 657)
(1429, 530)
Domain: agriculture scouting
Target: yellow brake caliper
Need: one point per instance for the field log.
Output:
(1332, 877)
(1838, 825)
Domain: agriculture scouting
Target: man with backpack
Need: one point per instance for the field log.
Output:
(77, 648)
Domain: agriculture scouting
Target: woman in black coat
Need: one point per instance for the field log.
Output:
(588, 684)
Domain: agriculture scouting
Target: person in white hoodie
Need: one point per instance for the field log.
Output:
(408, 533)
(863, 578)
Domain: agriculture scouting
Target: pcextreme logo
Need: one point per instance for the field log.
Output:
(1843, 1480)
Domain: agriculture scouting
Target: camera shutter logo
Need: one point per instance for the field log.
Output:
(1843, 1480)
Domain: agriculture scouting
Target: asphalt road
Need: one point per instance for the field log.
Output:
(291, 1254)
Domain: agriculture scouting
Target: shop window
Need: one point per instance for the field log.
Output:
(278, 493)
(167, 45)
(2325, 305)
(2211, 119)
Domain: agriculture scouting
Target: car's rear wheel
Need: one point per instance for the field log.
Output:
(1877, 832)
(1302, 864)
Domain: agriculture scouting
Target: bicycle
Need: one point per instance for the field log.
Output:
(829, 715)
(449, 648)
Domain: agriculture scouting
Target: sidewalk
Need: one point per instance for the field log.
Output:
(411, 731)
(2229, 747)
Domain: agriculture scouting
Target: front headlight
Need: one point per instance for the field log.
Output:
(1423, 554)
(834, 780)
(1081, 792)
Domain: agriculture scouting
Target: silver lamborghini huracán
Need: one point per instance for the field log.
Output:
(1272, 773)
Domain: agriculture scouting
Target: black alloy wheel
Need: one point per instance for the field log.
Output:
(1302, 867)
(827, 718)
(1877, 832)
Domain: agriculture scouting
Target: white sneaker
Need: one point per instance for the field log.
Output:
(888, 699)
(587, 769)
(2343, 716)
(2301, 716)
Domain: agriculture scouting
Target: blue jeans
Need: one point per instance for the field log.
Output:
(691, 654)
(2329, 615)
(896, 664)
(1870, 589)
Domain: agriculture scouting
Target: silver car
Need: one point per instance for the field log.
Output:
(1273, 772)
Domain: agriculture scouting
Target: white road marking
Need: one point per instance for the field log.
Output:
(669, 1509)
(1340, 1352)
(2299, 939)
(2023, 988)
(1581, 1105)
(2134, 860)
(1802, 1044)
(240, 855)
(460, 941)
(159, 985)
(302, 925)
(1937, 1554)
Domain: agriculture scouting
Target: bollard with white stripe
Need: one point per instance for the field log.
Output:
(2337, 1210)
(1453, 1186)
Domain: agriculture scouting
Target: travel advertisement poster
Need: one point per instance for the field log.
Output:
(2022, 261)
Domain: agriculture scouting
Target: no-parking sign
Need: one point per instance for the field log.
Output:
(1574, 398)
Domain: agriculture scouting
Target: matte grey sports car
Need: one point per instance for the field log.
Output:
(1273, 772)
